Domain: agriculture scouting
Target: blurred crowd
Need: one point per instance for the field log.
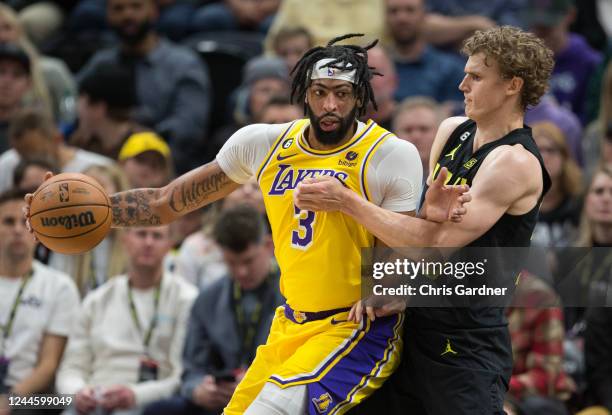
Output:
(165, 320)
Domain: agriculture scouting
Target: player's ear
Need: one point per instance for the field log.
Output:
(515, 85)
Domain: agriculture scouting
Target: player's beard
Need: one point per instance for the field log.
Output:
(334, 136)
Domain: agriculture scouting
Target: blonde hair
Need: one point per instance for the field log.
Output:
(39, 94)
(571, 176)
(117, 260)
(518, 54)
(585, 231)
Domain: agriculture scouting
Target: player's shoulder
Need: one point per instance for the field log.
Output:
(394, 145)
(449, 125)
(262, 130)
(513, 162)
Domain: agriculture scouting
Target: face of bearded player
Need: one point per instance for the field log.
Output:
(131, 20)
(332, 107)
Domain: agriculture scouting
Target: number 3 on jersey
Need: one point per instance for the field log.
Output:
(302, 237)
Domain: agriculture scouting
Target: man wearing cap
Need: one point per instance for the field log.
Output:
(15, 81)
(146, 160)
(316, 359)
(575, 60)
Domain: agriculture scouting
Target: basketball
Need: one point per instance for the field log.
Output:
(70, 213)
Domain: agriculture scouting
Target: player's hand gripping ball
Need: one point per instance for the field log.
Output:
(70, 213)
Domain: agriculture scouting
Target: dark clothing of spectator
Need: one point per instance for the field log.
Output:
(436, 74)
(173, 88)
(573, 69)
(504, 12)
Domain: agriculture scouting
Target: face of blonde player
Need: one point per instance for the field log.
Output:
(483, 87)
(250, 268)
(418, 126)
(16, 243)
(147, 247)
(598, 203)
(551, 154)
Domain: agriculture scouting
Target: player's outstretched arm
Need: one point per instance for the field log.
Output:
(193, 190)
(493, 193)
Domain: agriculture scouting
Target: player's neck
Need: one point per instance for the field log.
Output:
(15, 269)
(602, 234)
(315, 144)
(144, 278)
(496, 125)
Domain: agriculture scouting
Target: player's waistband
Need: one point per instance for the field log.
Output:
(301, 317)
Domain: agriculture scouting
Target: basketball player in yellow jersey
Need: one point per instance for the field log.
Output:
(315, 361)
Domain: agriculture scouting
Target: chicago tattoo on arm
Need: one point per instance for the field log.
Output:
(191, 194)
(133, 208)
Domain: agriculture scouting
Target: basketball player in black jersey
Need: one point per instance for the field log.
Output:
(459, 360)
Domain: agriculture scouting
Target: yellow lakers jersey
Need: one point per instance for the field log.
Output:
(319, 253)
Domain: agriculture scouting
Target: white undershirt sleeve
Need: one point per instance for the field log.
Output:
(245, 150)
(395, 176)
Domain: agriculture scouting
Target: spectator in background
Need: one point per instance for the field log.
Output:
(597, 346)
(326, 19)
(416, 120)
(172, 83)
(15, 82)
(279, 110)
(53, 85)
(421, 69)
(199, 260)
(560, 208)
(538, 384)
(33, 134)
(125, 350)
(450, 22)
(290, 44)
(235, 15)
(107, 99)
(596, 131)
(230, 318)
(549, 110)
(384, 88)
(37, 307)
(146, 160)
(263, 78)
(30, 173)
(93, 268)
(575, 60)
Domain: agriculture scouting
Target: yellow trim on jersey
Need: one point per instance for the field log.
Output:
(273, 148)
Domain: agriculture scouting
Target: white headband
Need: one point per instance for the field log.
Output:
(332, 73)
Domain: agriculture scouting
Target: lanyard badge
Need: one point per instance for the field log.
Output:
(148, 369)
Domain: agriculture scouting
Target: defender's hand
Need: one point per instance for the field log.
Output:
(445, 203)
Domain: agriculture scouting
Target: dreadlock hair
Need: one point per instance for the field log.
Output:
(346, 58)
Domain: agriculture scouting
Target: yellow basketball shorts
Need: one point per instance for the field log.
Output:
(340, 362)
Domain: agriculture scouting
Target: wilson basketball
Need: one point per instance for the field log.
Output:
(70, 213)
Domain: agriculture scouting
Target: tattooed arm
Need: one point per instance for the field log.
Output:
(149, 207)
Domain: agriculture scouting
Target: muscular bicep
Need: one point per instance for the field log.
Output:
(494, 192)
(193, 190)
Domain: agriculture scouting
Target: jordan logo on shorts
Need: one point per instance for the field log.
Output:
(449, 349)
